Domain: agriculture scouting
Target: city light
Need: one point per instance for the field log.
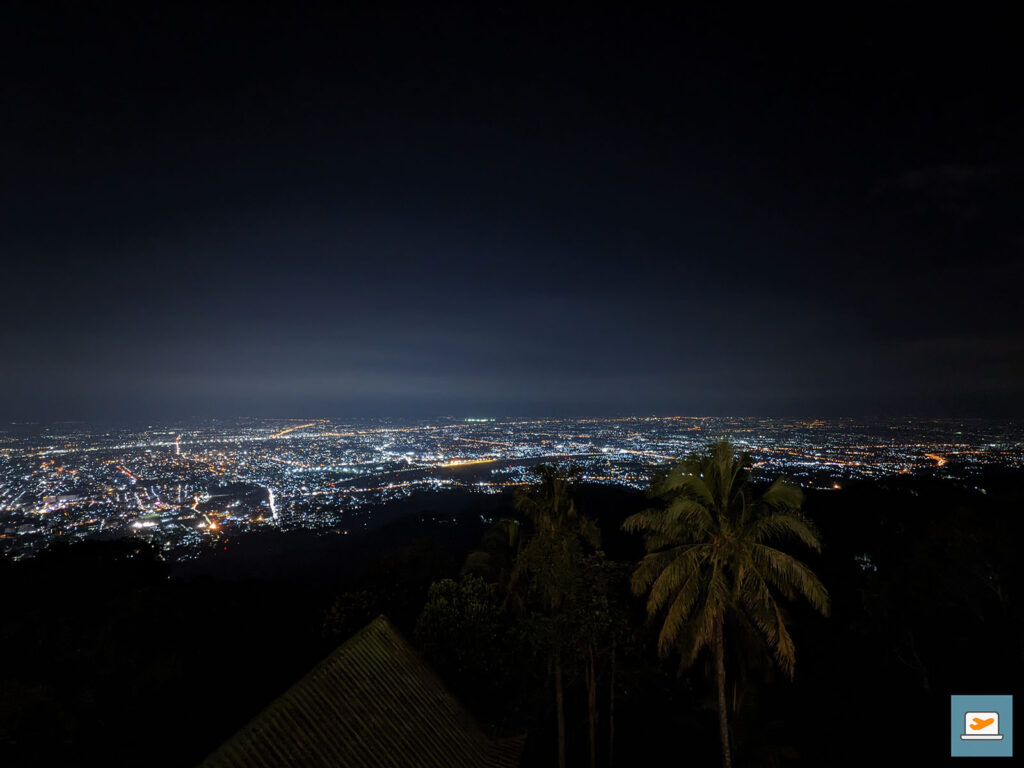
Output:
(324, 475)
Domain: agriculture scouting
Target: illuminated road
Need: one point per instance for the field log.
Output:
(288, 431)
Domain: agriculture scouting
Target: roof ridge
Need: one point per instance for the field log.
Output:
(373, 688)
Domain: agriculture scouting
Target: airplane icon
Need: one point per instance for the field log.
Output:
(981, 726)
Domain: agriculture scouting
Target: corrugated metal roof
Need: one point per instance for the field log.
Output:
(373, 702)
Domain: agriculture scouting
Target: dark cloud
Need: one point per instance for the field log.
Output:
(950, 190)
(348, 211)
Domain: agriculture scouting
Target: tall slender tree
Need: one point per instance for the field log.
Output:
(548, 567)
(713, 557)
(559, 584)
(546, 576)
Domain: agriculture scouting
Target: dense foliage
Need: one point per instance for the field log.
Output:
(111, 656)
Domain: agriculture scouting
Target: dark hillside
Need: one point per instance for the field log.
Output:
(110, 654)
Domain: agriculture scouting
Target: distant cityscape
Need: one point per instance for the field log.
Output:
(186, 487)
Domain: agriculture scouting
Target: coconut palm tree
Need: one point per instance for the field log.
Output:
(712, 557)
(546, 507)
(554, 578)
(551, 561)
(550, 503)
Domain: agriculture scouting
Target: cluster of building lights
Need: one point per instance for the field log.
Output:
(185, 486)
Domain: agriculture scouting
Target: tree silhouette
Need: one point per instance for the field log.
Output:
(711, 558)
(547, 568)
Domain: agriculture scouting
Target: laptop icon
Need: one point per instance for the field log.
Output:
(981, 726)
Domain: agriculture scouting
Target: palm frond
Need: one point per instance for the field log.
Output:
(676, 619)
(763, 611)
(709, 554)
(702, 627)
(782, 495)
(657, 542)
(786, 573)
(686, 482)
(781, 525)
(674, 576)
(785, 653)
(650, 567)
(688, 515)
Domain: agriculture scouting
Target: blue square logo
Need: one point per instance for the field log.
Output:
(981, 726)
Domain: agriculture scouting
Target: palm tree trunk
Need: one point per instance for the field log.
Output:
(723, 721)
(592, 707)
(559, 700)
(611, 714)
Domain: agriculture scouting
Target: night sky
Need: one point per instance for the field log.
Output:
(213, 212)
